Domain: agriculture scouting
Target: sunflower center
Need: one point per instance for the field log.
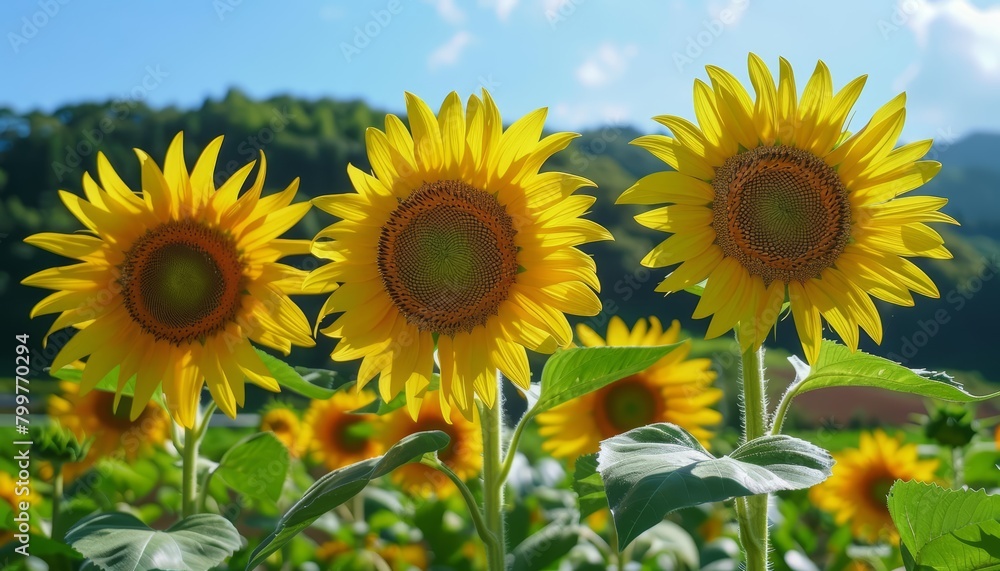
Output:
(352, 434)
(627, 404)
(781, 212)
(447, 257)
(117, 419)
(182, 281)
(879, 490)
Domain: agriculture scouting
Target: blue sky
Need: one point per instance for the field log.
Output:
(590, 61)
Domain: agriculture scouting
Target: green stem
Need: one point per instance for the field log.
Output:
(470, 501)
(57, 494)
(515, 440)
(752, 511)
(958, 466)
(782, 410)
(491, 419)
(189, 477)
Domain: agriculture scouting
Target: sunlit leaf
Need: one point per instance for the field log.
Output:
(946, 530)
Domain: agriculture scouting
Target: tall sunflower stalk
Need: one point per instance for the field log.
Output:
(772, 201)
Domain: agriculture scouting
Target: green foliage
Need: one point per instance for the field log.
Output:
(546, 546)
(341, 485)
(318, 384)
(588, 486)
(653, 470)
(575, 372)
(256, 466)
(121, 542)
(946, 530)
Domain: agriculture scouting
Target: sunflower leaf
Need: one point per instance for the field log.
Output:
(588, 486)
(946, 530)
(838, 366)
(256, 466)
(546, 546)
(572, 373)
(317, 384)
(653, 470)
(341, 485)
(121, 541)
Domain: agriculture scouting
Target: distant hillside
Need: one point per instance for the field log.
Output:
(314, 140)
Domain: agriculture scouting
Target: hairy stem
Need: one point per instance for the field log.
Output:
(752, 511)
(491, 419)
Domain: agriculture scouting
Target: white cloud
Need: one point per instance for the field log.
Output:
(449, 52)
(448, 10)
(608, 63)
(953, 80)
(502, 8)
(971, 33)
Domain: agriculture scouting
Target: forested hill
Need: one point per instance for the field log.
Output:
(315, 139)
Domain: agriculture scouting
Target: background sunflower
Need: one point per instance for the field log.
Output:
(283, 420)
(464, 453)
(338, 437)
(856, 492)
(675, 389)
(113, 433)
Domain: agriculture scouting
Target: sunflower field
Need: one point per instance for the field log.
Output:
(450, 338)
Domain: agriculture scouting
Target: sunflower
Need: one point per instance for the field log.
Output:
(857, 490)
(456, 239)
(287, 427)
(338, 437)
(675, 389)
(113, 432)
(464, 453)
(175, 281)
(772, 199)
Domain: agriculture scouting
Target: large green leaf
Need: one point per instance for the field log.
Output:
(588, 485)
(575, 372)
(109, 383)
(318, 384)
(546, 546)
(256, 466)
(838, 366)
(653, 470)
(118, 541)
(946, 530)
(341, 485)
